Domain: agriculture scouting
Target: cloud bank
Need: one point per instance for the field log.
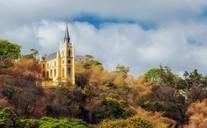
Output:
(178, 41)
(180, 46)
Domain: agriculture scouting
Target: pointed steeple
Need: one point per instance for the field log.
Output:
(67, 36)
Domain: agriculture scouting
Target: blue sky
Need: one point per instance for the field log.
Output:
(98, 22)
(140, 34)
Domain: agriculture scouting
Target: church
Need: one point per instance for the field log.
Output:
(59, 67)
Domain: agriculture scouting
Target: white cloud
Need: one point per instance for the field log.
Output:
(127, 44)
(179, 41)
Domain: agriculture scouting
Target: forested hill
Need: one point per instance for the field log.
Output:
(103, 99)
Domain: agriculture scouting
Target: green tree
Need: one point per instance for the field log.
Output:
(153, 75)
(163, 76)
(9, 50)
(8, 119)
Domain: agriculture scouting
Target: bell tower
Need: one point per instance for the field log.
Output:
(67, 59)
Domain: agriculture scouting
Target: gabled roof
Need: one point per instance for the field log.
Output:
(51, 56)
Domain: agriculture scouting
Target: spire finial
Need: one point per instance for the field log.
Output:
(67, 37)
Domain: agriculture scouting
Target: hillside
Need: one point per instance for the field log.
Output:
(157, 99)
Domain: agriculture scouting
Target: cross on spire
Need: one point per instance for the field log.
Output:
(67, 36)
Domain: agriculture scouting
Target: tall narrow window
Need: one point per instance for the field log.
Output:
(43, 74)
(63, 73)
(47, 75)
(69, 53)
(69, 71)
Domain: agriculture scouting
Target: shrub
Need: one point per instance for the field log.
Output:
(142, 119)
(114, 108)
(49, 122)
(137, 123)
(9, 92)
(8, 119)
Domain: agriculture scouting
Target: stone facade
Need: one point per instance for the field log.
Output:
(59, 67)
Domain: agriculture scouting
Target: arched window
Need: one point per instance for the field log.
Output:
(43, 74)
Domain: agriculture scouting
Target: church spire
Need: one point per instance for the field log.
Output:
(67, 37)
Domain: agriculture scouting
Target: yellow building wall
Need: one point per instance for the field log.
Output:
(61, 68)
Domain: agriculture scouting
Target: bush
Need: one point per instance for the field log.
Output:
(9, 92)
(142, 119)
(49, 122)
(135, 122)
(8, 119)
(114, 108)
(138, 123)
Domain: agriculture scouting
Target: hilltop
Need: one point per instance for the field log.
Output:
(158, 98)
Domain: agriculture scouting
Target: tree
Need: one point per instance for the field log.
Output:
(31, 55)
(163, 76)
(9, 50)
(142, 119)
(153, 75)
(34, 52)
(8, 119)
(122, 68)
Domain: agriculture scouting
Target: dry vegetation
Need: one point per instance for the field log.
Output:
(158, 99)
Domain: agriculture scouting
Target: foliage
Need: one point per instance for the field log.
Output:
(172, 94)
(141, 120)
(153, 75)
(114, 108)
(9, 92)
(197, 117)
(49, 122)
(9, 50)
(111, 97)
(164, 76)
(27, 68)
(8, 119)
(32, 55)
(135, 123)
